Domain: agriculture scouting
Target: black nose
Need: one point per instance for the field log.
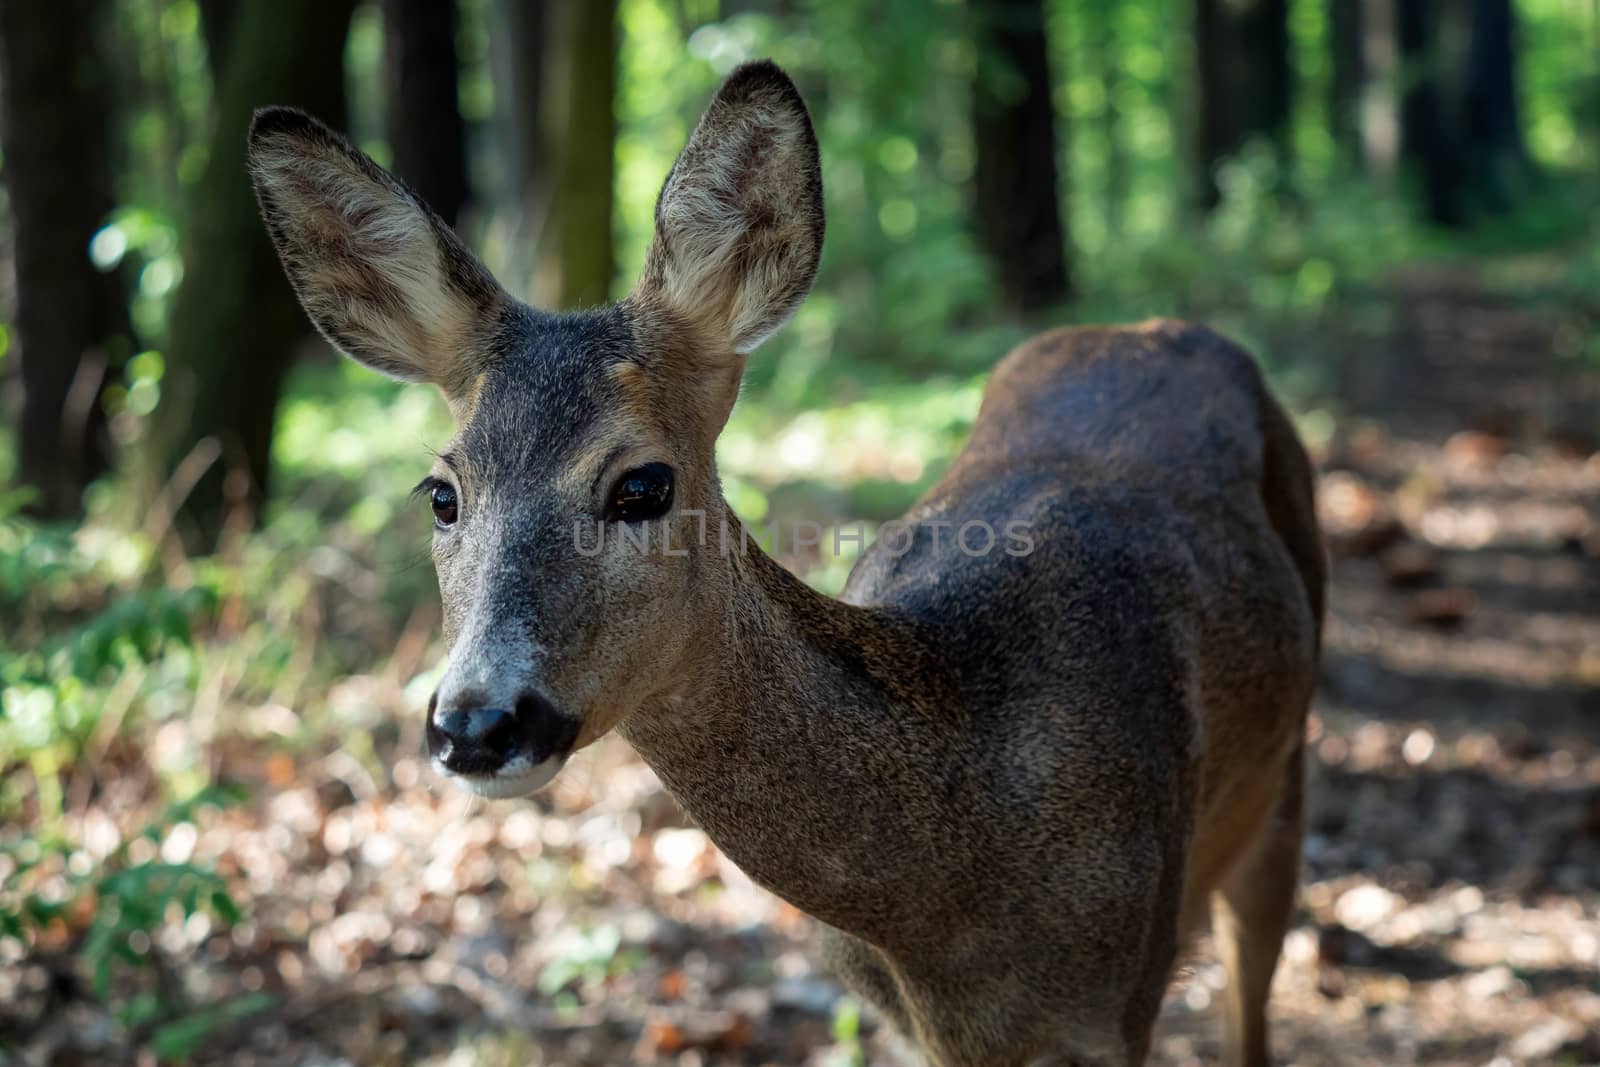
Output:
(473, 741)
(470, 739)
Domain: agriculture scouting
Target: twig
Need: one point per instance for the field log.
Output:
(164, 509)
(118, 701)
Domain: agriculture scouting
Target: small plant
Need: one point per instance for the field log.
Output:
(847, 1035)
(118, 907)
(586, 958)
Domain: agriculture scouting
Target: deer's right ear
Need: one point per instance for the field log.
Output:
(380, 275)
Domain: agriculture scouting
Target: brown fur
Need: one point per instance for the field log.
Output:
(1012, 786)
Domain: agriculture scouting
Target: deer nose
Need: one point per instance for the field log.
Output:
(472, 740)
(466, 737)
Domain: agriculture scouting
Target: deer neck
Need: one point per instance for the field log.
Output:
(792, 742)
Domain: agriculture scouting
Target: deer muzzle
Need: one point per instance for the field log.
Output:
(497, 751)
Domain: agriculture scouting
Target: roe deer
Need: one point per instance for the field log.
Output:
(1011, 785)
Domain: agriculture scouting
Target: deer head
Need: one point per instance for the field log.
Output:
(570, 506)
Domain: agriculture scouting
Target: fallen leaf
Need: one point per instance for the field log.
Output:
(1442, 608)
(1476, 448)
(1410, 564)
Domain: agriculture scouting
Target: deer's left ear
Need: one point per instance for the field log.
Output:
(379, 274)
(739, 223)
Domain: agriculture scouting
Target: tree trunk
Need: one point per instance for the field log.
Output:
(1430, 149)
(71, 324)
(423, 112)
(1494, 144)
(235, 322)
(1347, 87)
(555, 69)
(517, 50)
(1245, 84)
(216, 26)
(580, 131)
(1017, 196)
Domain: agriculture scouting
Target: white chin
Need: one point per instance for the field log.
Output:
(516, 780)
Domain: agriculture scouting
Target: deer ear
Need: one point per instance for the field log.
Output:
(739, 223)
(379, 274)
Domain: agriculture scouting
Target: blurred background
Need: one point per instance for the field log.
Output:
(219, 842)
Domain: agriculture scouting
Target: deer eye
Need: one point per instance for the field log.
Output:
(445, 508)
(641, 494)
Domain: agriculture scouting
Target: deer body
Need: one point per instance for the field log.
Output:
(1011, 783)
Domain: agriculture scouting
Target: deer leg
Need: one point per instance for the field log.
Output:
(1250, 912)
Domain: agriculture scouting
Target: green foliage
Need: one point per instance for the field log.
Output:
(178, 1039)
(1560, 82)
(898, 267)
(87, 643)
(589, 957)
(160, 51)
(135, 901)
(846, 1030)
(45, 886)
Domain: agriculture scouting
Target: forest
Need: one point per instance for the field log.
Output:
(220, 840)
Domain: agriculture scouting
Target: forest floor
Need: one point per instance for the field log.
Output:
(1451, 908)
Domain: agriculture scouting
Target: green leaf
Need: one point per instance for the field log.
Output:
(178, 1040)
(224, 906)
